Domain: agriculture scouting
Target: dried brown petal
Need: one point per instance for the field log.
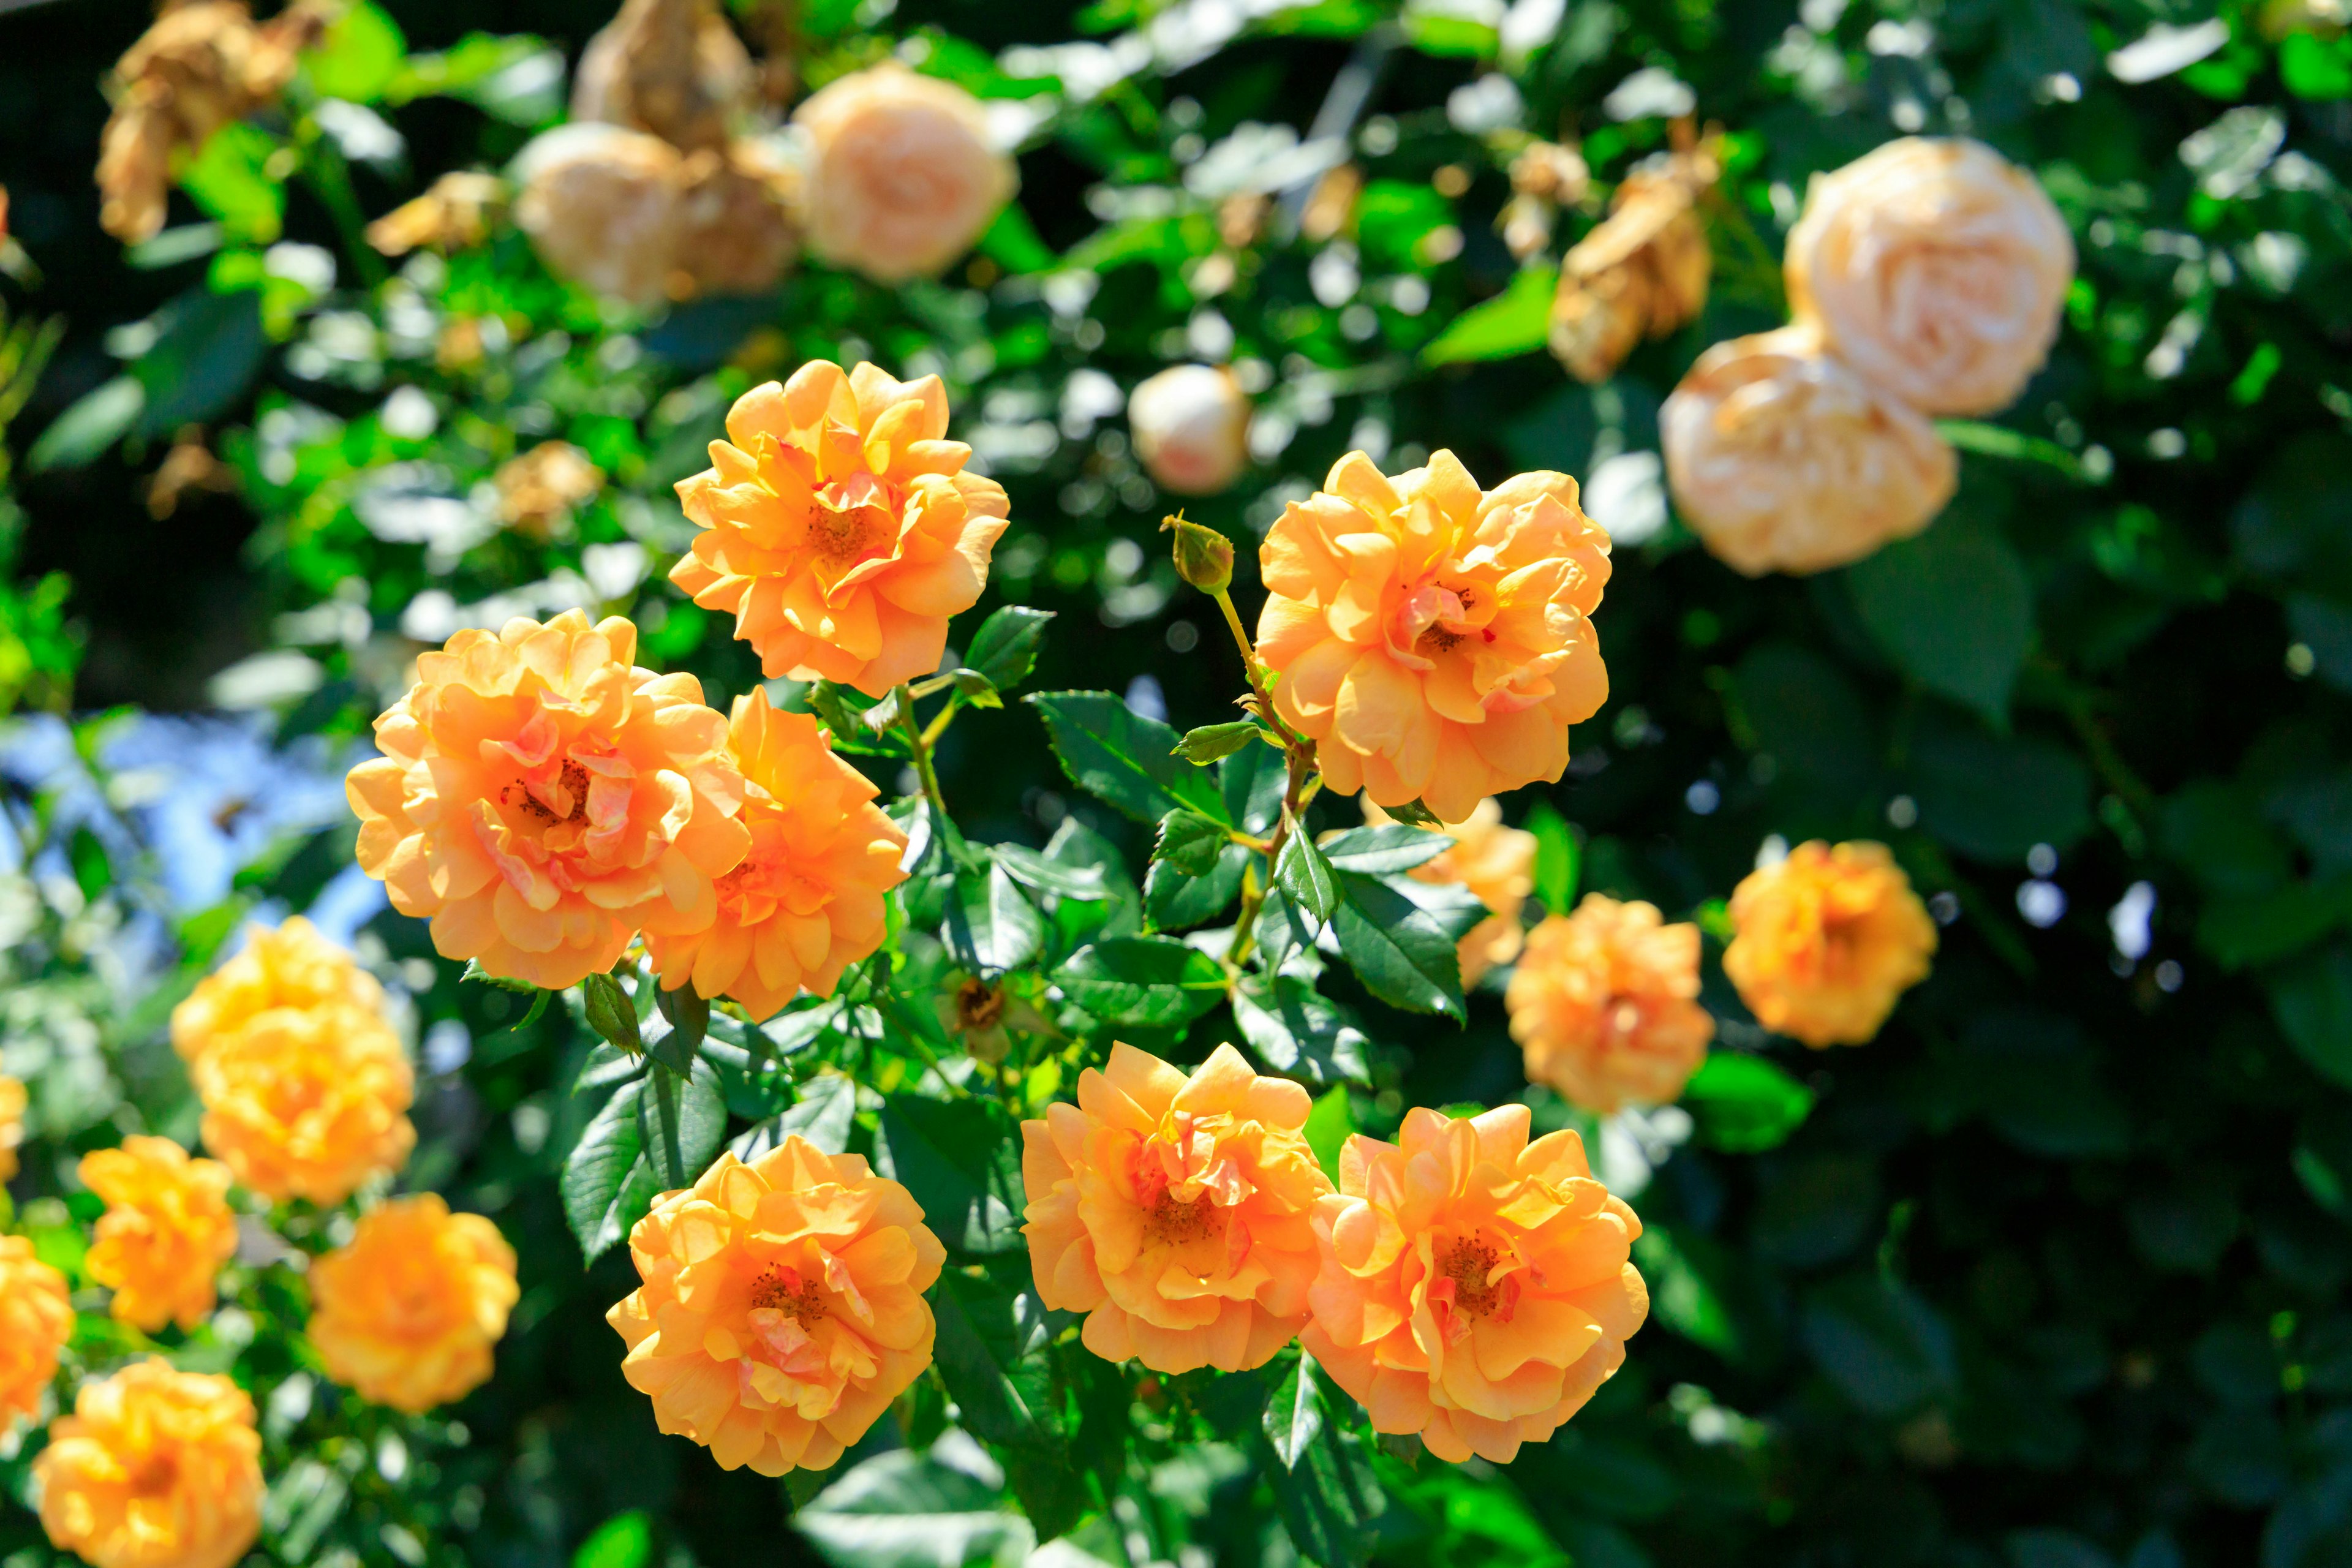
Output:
(457, 212)
(539, 489)
(672, 68)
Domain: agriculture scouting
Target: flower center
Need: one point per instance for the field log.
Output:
(1467, 1261)
(850, 521)
(978, 1005)
(780, 1289)
(1170, 1218)
(570, 794)
(155, 1475)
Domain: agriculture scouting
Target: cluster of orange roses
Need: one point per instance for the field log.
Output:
(305, 1091)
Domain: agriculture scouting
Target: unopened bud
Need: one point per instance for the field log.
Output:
(1204, 557)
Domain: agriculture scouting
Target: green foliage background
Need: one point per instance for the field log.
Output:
(2050, 1276)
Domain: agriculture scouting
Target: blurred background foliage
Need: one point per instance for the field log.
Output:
(2050, 1276)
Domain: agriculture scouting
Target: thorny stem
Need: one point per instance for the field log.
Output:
(920, 744)
(1298, 753)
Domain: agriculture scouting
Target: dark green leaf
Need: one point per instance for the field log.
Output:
(846, 713)
(2311, 999)
(1252, 782)
(989, 1346)
(1414, 815)
(688, 1014)
(1005, 647)
(1953, 608)
(1996, 798)
(607, 1182)
(975, 688)
(994, 926)
(1173, 900)
(1119, 756)
(1883, 1348)
(1031, 870)
(209, 350)
(1383, 850)
(1191, 842)
(1294, 1415)
(1401, 954)
(475, 971)
(1745, 1104)
(610, 1013)
(681, 1121)
(901, 1510)
(1143, 980)
(1298, 1033)
(94, 423)
(962, 1163)
(1210, 741)
(1307, 877)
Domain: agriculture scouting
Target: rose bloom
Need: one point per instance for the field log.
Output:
(1435, 642)
(783, 1305)
(901, 176)
(839, 527)
(1497, 865)
(1782, 460)
(155, 1469)
(1475, 1288)
(1191, 425)
(1937, 268)
(1604, 1003)
(807, 901)
(1827, 939)
(308, 1104)
(405, 1313)
(542, 799)
(673, 68)
(36, 1317)
(1642, 272)
(12, 1124)
(288, 969)
(628, 215)
(166, 1231)
(1175, 1212)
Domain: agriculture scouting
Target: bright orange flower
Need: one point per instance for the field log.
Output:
(1431, 640)
(839, 527)
(1175, 1211)
(1604, 1003)
(36, 1317)
(155, 1469)
(1828, 939)
(308, 1104)
(806, 902)
(166, 1231)
(542, 799)
(783, 1305)
(1497, 865)
(12, 1123)
(1476, 1288)
(405, 1313)
(290, 969)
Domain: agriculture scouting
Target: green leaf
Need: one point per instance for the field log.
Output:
(1413, 814)
(902, 1509)
(994, 926)
(1212, 741)
(1119, 756)
(1555, 857)
(681, 1121)
(1150, 981)
(95, 422)
(1398, 952)
(1329, 1125)
(208, 351)
(359, 59)
(2311, 999)
(610, 1013)
(623, 1541)
(1882, 1346)
(475, 971)
(1303, 873)
(1954, 609)
(1191, 842)
(1005, 647)
(606, 1182)
(2262, 928)
(229, 180)
(1328, 1500)
(1746, 1104)
(1252, 782)
(990, 1345)
(1294, 1416)
(961, 1164)
(687, 1017)
(1685, 1293)
(1995, 797)
(1512, 322)
(1031, 870)
(1383, 850)
(1173, 900)
(1012, 242)
(1300, 1033)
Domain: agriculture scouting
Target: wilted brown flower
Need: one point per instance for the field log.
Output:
(541, 487)
(1642, 272)
(673, 68)
(732, 236)
(456, 212)
(188, 466)
(202, 66)
(1331, 208)
(1549, 170)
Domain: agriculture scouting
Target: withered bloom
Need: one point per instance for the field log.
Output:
(1643, 272)
(671, 67)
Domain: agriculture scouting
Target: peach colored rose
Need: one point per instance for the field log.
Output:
(308, 1104)
(166, 1231)
(155, 1469)
(12, 1124)
(1937, 268)
(628, 215)
(405, 1313)
(839, 527)
(1782, 460)
(541, 799)
(901, 176)
(1604, 1003)
(783, 1305)
(807, 901)
(1827, 939)
(1475, 1288)
(1175, 1212)
(1497, 865)
(36, 1317)
(1435, 642)
(1191, 425)
(286, 969)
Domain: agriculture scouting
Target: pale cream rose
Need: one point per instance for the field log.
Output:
(901, 177)
(1783, 459)
(1937, 268)
(1191, 425)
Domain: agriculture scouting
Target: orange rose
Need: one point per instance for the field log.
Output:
(308, 1105)
(12, 1123)
(840, 529)
(1476, 1288)
(35, 1320)
(1175, 1212)
(405, 1313)
(783, 1305)
(1827, 939)
(542, 799)
(1604, 1002)
(1433, 641)
(155, 1469)
(1497, 865)
(901, 177)
(290, 969)
(166, 1231)
(806, 902)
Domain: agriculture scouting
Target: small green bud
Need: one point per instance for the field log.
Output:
(1204, 557)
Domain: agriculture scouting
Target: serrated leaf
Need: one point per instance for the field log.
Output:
(681, 1121)
(994, 926)
(1152, 981)
(1302, 873)
(1122, 758)
(1298, 1032)
(610, 1013)
(606, 1182)
(1398, 950)
(1384, 850)
(1005, 647)
(843, 710)
(475, 971)
(1251, 782)
(1210, 741)
(975, 688)
(1173, 901)
(1294, 1416)
(688, 1016)
(1031, 870)
(961, 1162)
(824, 1115)
(1191, 842)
